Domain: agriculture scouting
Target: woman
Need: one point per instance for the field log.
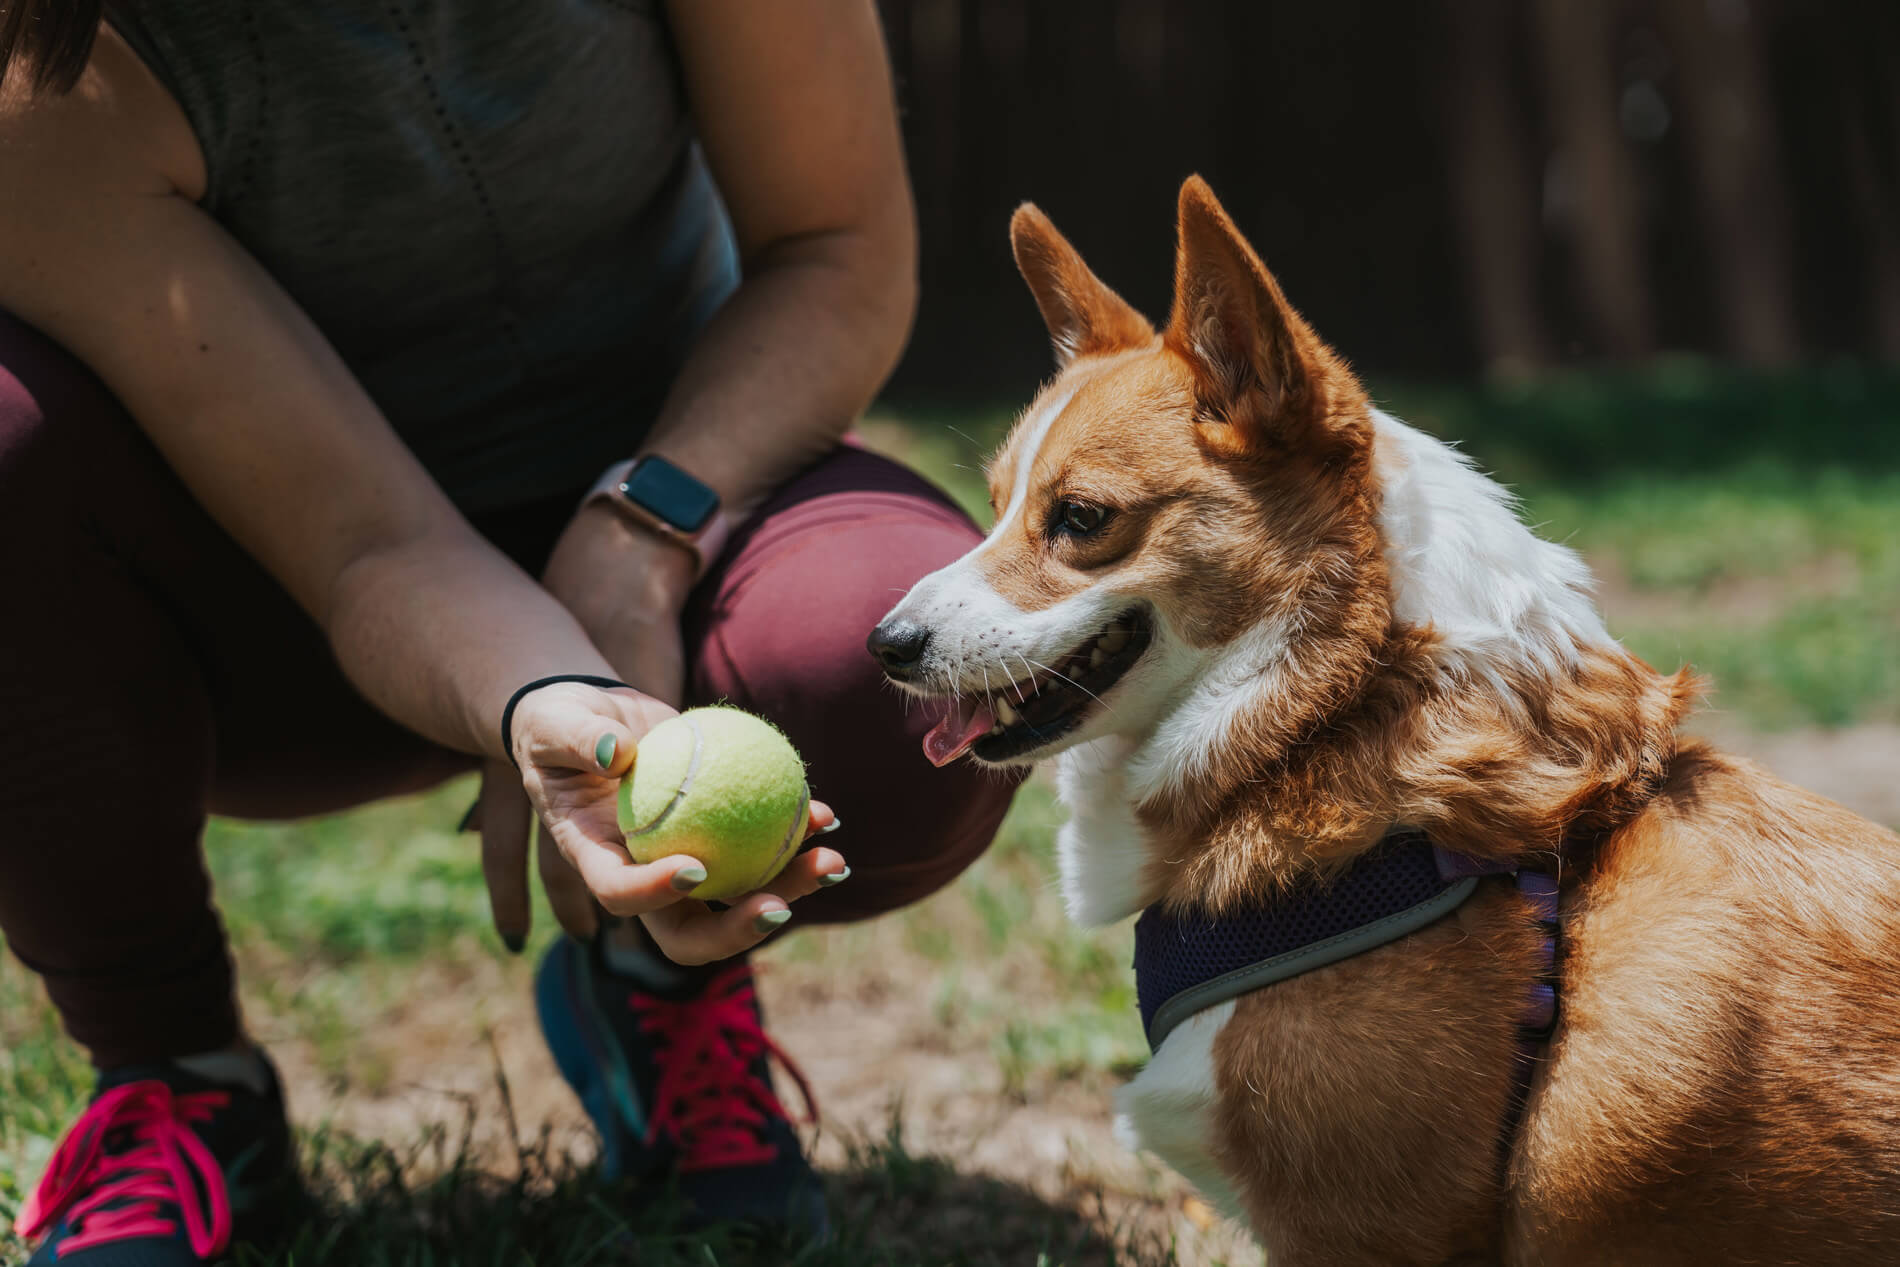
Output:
(332, 326)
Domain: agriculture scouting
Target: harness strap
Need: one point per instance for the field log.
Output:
(1187, 963)
(1539, 1019)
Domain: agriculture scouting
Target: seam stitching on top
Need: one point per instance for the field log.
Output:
(247, 166)
(510, 328)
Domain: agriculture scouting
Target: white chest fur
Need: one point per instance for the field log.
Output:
(1169, 1108)
(1103, 852)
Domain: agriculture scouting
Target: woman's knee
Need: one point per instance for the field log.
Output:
(166, 644)
(780, 630)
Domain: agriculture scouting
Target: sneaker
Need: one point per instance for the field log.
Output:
(679, 1087)
(163, 1169)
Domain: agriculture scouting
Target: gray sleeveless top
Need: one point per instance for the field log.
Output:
(494, 210)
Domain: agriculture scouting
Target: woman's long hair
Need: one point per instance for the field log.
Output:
(49, 40)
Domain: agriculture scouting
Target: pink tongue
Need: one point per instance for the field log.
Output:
(965, 723)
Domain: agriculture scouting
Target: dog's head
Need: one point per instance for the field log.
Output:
(1172, 509)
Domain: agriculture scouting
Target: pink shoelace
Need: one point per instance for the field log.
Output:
(708, 1100)
(157, 1160)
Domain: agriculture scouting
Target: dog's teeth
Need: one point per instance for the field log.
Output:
(1097, 658)
(1114, 640)
(1005, 714)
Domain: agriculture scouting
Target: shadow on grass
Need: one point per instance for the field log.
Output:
(888, 1208)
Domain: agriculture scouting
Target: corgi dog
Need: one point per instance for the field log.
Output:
(1258, 625)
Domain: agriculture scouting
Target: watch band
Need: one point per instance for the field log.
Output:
(704, 545)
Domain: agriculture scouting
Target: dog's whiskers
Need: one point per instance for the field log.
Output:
(1020, 697)
(1072, 682)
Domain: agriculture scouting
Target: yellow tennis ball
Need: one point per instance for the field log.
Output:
(722, 786)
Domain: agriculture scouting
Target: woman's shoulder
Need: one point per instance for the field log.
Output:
(116, 131)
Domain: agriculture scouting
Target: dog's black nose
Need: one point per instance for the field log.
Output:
(898, 645)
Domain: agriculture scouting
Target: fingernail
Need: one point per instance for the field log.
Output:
(838, 877)
(686, 879)
(829, 827)
(604, 749)
(468, 819)
(515, 942)
(770, 920)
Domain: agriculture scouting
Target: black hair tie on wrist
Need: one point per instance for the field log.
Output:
(508, 713)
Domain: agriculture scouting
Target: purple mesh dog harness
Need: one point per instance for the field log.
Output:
(1184, 964)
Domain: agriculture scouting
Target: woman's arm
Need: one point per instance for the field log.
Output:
(793, 103)
(102, 247)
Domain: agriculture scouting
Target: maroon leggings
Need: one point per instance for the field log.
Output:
(151, 672)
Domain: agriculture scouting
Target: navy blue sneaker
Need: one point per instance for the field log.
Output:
(164, 1169)
(680, 1090)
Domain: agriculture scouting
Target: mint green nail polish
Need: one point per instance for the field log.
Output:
(770, 920)
(836, 878)
(604, 749)
(686, 879)
(829, 827)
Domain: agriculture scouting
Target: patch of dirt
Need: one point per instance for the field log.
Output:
(435, 1053)
(873, 1049)
(1738, 602)
(1859, 766)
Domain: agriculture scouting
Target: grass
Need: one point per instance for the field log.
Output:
(890, 1207)
(1772, 564)
(337, 920)
(1683, 416)
(1783, 586)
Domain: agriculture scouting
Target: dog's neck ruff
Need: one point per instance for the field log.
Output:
(1187, 963)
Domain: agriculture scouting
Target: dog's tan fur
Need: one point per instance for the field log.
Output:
(1725, 1086)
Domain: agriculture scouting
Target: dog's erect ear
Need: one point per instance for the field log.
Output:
(1085, 318)
(1256, 361)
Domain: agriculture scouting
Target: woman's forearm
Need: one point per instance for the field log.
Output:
(787, 364)
(794, 105)
(440, 631)
(265, 425)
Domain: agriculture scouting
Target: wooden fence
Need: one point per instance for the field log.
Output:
(1446, 187)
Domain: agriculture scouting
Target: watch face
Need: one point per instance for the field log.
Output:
(661, 488)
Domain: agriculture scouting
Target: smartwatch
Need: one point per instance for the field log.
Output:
(667, 502)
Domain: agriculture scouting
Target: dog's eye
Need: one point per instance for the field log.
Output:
(1079, 519)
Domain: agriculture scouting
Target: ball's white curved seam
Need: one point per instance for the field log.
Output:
(792, 836)
(686, 781)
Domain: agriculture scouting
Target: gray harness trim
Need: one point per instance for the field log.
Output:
(1267, 972)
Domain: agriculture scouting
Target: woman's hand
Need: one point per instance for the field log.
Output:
(627, 594)
(574, 742)
(627, 589)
